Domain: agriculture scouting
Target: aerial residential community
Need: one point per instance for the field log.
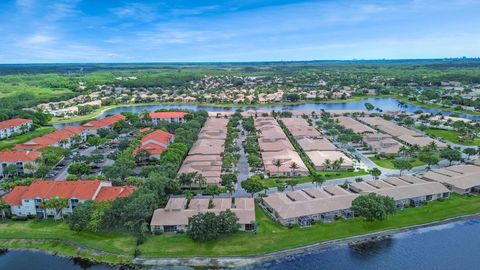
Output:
(295, 134)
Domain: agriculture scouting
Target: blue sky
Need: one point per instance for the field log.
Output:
(242, 30)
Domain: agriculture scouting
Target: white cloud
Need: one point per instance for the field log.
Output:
(38, 39)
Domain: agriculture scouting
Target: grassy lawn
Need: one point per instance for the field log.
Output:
(451, 136)
(56, 236)
(10, 142)
(271, 236)
(271, 182)
(387, 163)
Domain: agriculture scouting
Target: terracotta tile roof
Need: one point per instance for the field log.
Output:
(107, 121)
(50, 138)
(112, 193)
(14, 156)
(83, 190)
(162, 115)
(155, 143)
(13, 122)
(158, 136)
(15, 196)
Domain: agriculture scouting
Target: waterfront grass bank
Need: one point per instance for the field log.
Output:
(271, 236)
(117, 248)
(55, 237)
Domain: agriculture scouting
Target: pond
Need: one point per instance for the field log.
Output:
(382, 103)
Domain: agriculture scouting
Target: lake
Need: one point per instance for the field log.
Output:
(382, 103)
(451, 246)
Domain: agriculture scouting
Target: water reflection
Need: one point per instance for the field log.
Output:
(381, 103)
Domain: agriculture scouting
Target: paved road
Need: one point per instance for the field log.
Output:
(62, 175)
(242, 167)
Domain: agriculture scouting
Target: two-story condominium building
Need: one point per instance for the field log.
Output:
(92, 127)
(14, 126)
(64, 138)
(27, 200)
(155, 143)
(174, 217)
(19, 159)
(170, 117)
(461, 179)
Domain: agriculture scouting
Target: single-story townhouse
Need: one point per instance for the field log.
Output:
(14, 126)
(176, 214)
(405, 190)
(205, 155)
(325, 160)
(353, 124)
(461, 179)
(421, 141)
(382, 143)
(24, 161)
(309, 144)
(27, 200)
(388, 127)
(299, 128)
(302, 207)
(270, 137)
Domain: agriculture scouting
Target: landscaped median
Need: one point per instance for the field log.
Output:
(272, 237)
(328, 175)
(56, 237)
(387, 163)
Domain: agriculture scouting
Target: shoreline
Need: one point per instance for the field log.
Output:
(231, 262)
(101, 110)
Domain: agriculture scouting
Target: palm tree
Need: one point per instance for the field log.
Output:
(341, 160)
(403, 150)
(3, 208)
(58, 204)
(200, 180)
(43, 205)
(277, 163)
(186, 179)
(327, 163)
(293, 167)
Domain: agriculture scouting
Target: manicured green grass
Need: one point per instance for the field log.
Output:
(272, 182)
(12, 141)
(112, 242)
(387, 163)
(451, 136)
(271, 236)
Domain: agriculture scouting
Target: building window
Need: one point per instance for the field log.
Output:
(172, 228)
(249, 227)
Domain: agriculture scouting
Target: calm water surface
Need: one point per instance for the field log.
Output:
(382, 103)
(451, 246)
